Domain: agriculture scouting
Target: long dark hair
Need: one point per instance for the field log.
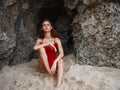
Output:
(53, 32)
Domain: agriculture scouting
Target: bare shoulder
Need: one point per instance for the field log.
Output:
(57, 40)
(39, 40)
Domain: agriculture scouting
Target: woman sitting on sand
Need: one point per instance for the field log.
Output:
(48, 45)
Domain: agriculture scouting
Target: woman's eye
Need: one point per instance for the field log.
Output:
(48, 24)
(44, 24)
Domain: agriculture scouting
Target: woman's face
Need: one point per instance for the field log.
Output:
(46, 26)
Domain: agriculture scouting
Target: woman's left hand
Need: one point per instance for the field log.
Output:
(53, 68)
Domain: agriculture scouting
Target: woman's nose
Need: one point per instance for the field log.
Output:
(46, 25)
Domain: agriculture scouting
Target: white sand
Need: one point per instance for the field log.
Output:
(27, 77)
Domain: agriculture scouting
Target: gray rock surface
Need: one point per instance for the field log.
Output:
(90, 28)
(19, 28)
(96, 33)
(17, 31)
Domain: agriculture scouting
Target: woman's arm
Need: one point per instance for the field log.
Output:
(61, 54)
(39, 44)
(60, 49)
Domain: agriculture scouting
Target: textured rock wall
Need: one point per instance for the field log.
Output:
(19, 27)
(92, 26)
(17, 30)
(96, 32)
(64, 29)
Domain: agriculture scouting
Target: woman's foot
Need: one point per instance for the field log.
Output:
(58, 83)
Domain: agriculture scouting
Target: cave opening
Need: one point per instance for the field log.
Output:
(54, 11)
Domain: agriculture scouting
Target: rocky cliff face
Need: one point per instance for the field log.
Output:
(19, 27)
(18, 31)
(96, 32)
(88, 28)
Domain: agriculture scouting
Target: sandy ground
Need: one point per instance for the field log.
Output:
(76, 77)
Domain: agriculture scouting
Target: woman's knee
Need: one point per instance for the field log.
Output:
(42, 50)
(60, 62)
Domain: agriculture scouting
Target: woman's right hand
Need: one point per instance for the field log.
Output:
(53, 46)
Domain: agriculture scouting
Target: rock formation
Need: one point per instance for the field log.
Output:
(88, 28)
(96, 33)
(19, 27)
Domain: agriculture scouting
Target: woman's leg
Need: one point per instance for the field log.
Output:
(42, 66)
(44, 58)
(59, 72)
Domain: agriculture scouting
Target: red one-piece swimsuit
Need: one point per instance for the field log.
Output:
(51, 54)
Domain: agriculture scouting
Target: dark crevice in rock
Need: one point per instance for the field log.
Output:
(51, 11)
(57, 13)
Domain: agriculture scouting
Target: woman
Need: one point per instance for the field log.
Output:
(48, 45)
